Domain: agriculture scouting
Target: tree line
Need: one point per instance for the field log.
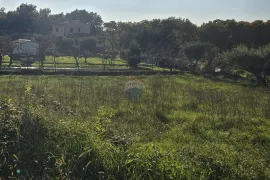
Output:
(28, 19)
(172, 42)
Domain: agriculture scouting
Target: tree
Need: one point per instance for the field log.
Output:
(167, 57)
(44, 21)
(76, 53)
(45, 43)
(56, 18)
(12, 22)
(1, 60)
(216, 32)
(2, 12)
(111, 34)
(27, 18)
(87, 45)
(134, 54)
(6, 47)
(210, 58)
(196, 52)
(64, 45)
(248, 59)
(125, 34)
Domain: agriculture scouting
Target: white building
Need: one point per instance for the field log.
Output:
(25, 47)
(70, 27)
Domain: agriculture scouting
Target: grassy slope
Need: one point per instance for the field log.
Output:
(184, 127)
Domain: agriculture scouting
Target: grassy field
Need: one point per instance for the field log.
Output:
(183, 127)
(93, 62)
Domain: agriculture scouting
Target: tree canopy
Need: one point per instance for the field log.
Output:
(229, 43)
(28, 19)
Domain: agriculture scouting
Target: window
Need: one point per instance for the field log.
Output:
(79, 29)
(56, 30)
(71, 30)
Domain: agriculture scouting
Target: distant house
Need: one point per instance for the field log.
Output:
(25, 47)
(70, 27)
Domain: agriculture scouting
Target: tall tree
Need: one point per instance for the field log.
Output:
(87, 45)
(56, 18)
(111, 34)
(3, 21)
(44, 21)
(216, 33)
(27, 18)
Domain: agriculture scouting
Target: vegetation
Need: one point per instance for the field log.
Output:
(26, 19)
(183, 127)
(173, 43)
(197, 52)
(255, 61)
(134, 54)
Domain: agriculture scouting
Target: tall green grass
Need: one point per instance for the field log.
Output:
(183, 127)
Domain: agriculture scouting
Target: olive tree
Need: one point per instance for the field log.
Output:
(87, 45)
(255, 61)
(197, 52)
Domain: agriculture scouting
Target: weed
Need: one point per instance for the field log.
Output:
(183, 127)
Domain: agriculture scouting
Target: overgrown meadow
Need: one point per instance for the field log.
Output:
(183, 127)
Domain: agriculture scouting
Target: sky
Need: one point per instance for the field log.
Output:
(197, 11)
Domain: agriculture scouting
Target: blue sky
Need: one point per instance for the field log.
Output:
(198, 11)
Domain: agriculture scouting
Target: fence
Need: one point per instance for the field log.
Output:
(66, 64)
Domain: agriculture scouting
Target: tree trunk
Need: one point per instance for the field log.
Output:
(85, 59)
(1, 59)
(10, 60)
(42, 59)
(152, 64)
(196, 66)
(207, 65)
(54, 63)
(77, 62)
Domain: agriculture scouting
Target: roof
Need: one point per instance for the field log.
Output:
(21, 41)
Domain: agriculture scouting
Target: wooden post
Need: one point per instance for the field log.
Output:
(54, 63)
(152, 64)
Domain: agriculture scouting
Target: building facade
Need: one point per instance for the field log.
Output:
(70, 27)
(25, 47)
